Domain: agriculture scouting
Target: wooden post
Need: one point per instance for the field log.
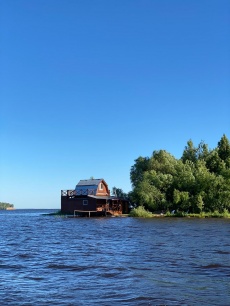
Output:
(89, 214)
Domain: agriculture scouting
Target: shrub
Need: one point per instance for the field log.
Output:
(226, 213)
(216, 214)
(176, 214)
(140, 212)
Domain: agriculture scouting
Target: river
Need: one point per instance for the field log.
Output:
(48, 260)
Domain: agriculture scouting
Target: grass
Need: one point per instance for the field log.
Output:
(215, 214)
(141, 212)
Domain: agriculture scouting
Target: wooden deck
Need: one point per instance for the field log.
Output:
(106, 212)
(84, 211)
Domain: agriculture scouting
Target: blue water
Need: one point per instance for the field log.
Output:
(47, 260)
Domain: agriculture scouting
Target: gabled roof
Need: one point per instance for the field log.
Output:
(91, 187)
(91, 182)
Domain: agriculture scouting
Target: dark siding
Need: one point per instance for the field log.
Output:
(68, 205)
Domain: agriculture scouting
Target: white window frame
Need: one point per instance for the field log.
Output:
(85, 202)
(101, 186)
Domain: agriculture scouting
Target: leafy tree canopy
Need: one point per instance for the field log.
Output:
(198, 181)
(4, 205)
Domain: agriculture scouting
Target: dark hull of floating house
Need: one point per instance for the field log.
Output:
(92, 198)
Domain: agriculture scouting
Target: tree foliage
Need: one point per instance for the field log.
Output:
(197, 182)
(118, 192)
(4, 205)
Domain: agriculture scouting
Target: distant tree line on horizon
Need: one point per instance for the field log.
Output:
(197, 182)
(4, 205)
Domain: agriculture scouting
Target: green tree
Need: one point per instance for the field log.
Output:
(137, 170)
(199, 203)
(190, 152)
(181, 200)
(184, 179)
(214, 163)
(4, 205)
(202, 151)
(162, 162)
(153, 182)
(224, 150)
(149, 196)
(118, 192)
(199, 181)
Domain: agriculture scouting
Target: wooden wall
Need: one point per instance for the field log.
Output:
(68, 205)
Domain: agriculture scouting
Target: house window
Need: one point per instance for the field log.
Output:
(85, 202)
(101, 186)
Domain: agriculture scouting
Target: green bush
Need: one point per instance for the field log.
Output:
(168, 214)
(226, 213)
(176, 214)
(140, 212)
(217, 214)
(4, 205)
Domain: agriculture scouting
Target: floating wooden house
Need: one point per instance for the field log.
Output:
(92, 197)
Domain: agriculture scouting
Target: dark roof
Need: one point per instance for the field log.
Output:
(93, 182)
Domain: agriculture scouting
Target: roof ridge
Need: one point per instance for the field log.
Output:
(92, 179)
(90, 182)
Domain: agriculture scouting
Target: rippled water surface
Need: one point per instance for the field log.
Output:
(47, 260)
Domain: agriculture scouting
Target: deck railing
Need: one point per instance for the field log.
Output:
(78, 192)
(68, 193)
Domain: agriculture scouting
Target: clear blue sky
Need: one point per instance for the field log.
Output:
(88, 86)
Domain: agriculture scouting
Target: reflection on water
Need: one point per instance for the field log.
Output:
(47, 260)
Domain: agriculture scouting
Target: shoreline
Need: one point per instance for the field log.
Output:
(214, 215)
